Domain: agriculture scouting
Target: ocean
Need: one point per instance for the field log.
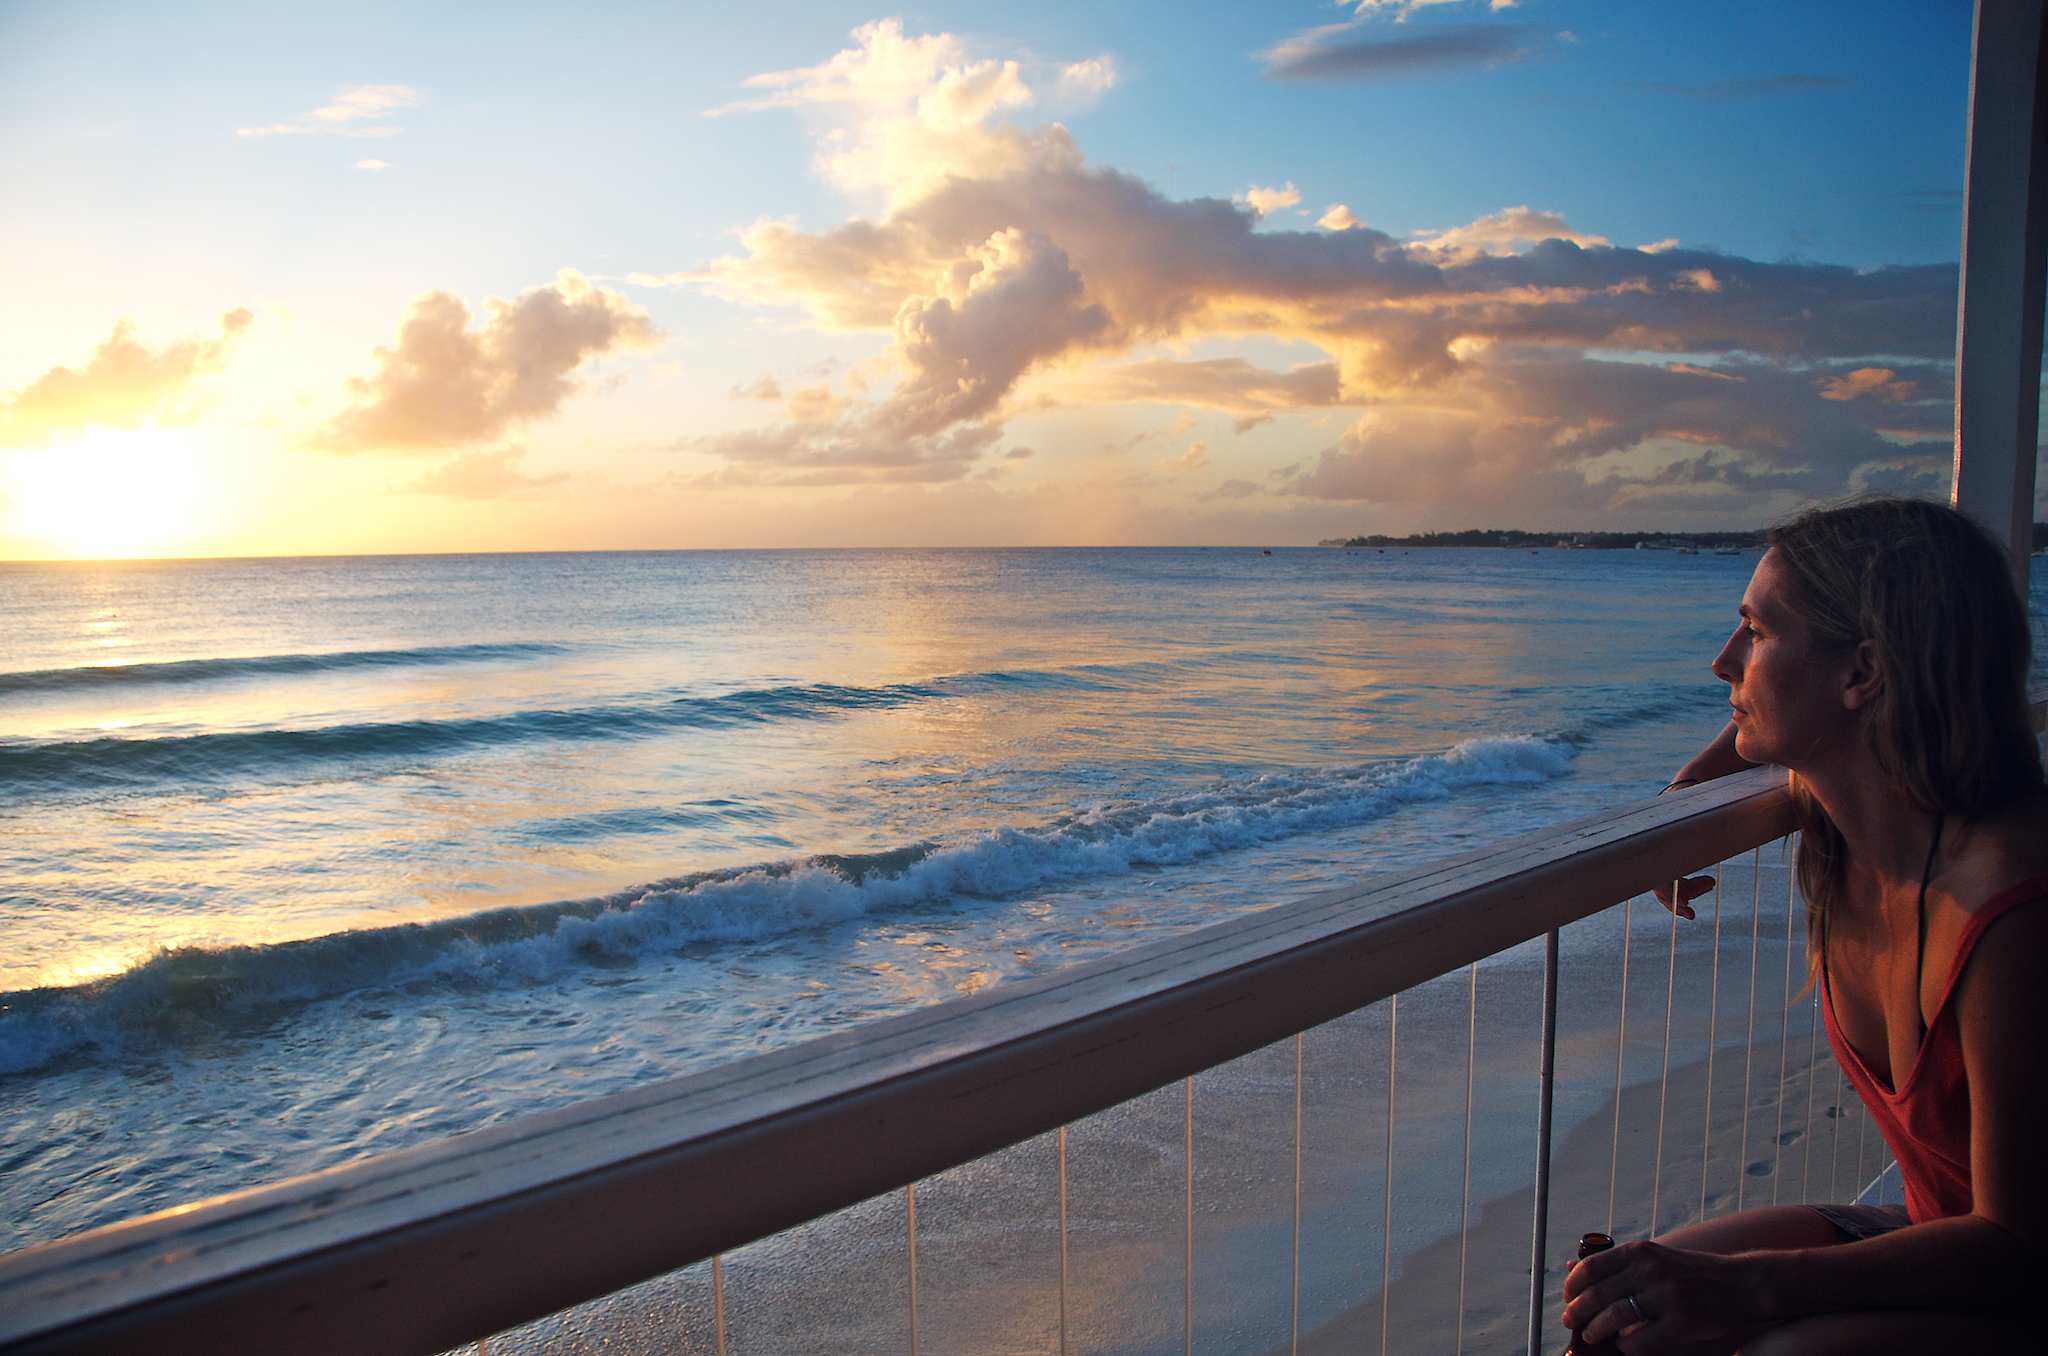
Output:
(310, 859)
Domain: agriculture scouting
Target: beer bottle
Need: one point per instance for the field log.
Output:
(1588, 1245)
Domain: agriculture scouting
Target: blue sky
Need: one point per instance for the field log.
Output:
(1166, 373)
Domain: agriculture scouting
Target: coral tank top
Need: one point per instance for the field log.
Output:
(1926, 1120)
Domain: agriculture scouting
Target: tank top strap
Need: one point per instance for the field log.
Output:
(2005, 901)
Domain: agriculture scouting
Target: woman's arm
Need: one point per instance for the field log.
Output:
(1717, 759)
(1987, 1260)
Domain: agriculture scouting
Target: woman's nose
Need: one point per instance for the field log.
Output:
(1724, 666)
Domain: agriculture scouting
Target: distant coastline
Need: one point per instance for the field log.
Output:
(1593, 541)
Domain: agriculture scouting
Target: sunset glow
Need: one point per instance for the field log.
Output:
(1304, 270)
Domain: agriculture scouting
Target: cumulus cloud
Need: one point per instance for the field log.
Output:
(1081, 83)
(125, 384)
(1266, 201)
(1338, 217)
(1234, 489)
(357, 111)
(1504, 231)
(373, 165)
(1878, 383)
(446, 382)
(485, 475)
(1510, 352)
(1349, 52)
(913, 110)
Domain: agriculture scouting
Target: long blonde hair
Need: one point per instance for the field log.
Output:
(1950, 727)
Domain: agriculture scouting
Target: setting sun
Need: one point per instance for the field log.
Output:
(111, 493)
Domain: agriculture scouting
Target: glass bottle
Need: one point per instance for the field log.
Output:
(1588, 1245)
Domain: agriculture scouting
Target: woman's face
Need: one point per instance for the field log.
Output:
(1787, 692)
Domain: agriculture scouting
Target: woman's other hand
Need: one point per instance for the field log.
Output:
(1681, 1299)
(1683, 892)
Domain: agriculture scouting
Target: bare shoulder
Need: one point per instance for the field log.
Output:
(2006, 851)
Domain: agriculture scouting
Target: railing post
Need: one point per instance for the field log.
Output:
(1546, 1067)
(1998, 301)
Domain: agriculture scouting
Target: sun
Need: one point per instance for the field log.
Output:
(109, 494)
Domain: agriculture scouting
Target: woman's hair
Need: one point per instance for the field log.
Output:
(1950, 725)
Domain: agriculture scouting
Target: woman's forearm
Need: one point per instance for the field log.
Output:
(1717, 759)
(1962, 1263)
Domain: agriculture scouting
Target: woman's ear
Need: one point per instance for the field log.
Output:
(1861, 684)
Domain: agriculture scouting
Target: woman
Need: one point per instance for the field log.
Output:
(1881, 658)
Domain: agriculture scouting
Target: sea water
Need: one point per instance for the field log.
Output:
(303, 860)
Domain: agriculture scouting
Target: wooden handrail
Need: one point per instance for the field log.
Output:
(429, 1247)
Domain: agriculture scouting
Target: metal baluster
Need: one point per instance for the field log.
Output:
(1546, 1068)
(1664, 1079)
(1835, 1148)
(1187, 1273)
(1620, 1049)
(910, 1227)
(1465, 1195)
(718, 1301)
(1713, 1013)
(1387, 1210)
(1812, 1025)
(1784, 1032)
(1862, 1128)
(1756, 888)
(1063, 1240)
(1294, 1321)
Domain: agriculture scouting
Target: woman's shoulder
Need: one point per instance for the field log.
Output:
(2004, 861)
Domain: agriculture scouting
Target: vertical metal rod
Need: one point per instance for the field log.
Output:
(1387, 1201)
(1862, 1128)
(910, 1228)
(1465, 1193)
(1063, 1240)
(1784, 1029)
(1187, 1266)
(1546, 1068)
(1835, 1148)
(1664, 1079)
(1294, 1319)
(718, 1301)
(1713, 1013)
(1620, 1049)
(1812, 1033)
(1756, 889)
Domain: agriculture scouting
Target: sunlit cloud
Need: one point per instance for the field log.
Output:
(1504, 360)
(124, 385)
(373, 165)
(445, 382)
(357, 111)
(1266, 201)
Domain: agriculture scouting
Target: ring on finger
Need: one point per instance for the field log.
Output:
(1641, 1317)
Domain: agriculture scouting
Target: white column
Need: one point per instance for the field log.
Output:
(1998, 307)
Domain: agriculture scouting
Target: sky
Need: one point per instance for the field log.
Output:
(284, 280)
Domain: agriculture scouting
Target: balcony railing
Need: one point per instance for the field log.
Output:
(450, 1242)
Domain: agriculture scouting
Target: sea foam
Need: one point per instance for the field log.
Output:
(175, 990)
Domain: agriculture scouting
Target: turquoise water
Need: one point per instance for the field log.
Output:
(310, 859)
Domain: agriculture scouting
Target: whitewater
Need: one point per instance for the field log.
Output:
(310, 859)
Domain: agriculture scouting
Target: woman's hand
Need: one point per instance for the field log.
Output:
(1684, 892)
(1682, 1299)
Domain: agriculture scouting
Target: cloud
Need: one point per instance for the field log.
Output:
(1082, 83)
(1193, 458)
(1528, 358)
(1503, 231)
(1880, 383)
(1734, 91)
(357, 111)
(445, 383)
(484, 475)
(1235, 489)
(373, 165)
(912, 110)
(1343, 52)
(1020, 454)
(1266, 201)
(125, 385)
(1338, 217)
(763, 387)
